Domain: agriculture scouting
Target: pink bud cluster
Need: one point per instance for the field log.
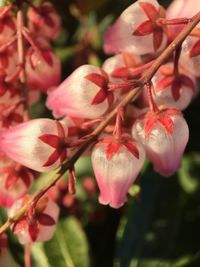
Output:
(152, 127)
(28, 68)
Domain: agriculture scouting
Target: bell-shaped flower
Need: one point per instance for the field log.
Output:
(44, 21)
(84, 94)
(38, 144)
(36, 226)
(190, 55)
(116, 165)
(181, 9)
(173, 90)
(15, 181)
(137, 30)
(43, 69)
(164, 135)
(120, 66)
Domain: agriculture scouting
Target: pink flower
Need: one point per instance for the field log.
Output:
(173, 91)
(181, 9)
(164, 135)
(38, 226)
(116, 166)
(43, 69)
(119, 67)
(84, 94)
(136, 30)
(15, 181)
(44, 21)
(38, 144)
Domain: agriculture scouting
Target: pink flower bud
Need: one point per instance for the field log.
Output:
(38, 144)
(84, 94)
(44, 21)
(43, 69)
(39, 226)
(15, 180)
(116, 166)
(11, 106)
(118, 66)
(173, 91)
(181, 9)
(164, 135)
(136, 30)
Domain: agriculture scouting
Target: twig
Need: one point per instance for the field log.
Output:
(20, 44)
(146, 78)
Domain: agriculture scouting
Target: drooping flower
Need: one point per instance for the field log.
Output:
(116, 166)
(136, 30)
(44, 21)
(36, 225)
(181, 9)
(173, 90)
(15, 181)
(164, 135)
(43, 69)
(84, 94)
(120, 66)
(38, 144)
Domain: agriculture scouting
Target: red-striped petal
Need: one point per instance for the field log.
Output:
(99, 98)
(149, 10)
(33, 230)
(45, 219)
(132, 148)
(50, 139)
(167, 123)
(157, 38)
(112, 149)
(164, 83)
(149, 125)
(97, 79)
(176, 90)
(144, 28)
(52, 158)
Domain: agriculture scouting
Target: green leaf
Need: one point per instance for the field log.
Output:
(68, 247)
(189, 173)
(5, 2)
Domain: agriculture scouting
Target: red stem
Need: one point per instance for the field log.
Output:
(20, 44)
(176, 60)
(27, 256)
(179, 21)
(152, 105)
(28, 37)
(118, 125)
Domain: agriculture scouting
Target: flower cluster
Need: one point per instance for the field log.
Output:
(151, 127)
(28, 68)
